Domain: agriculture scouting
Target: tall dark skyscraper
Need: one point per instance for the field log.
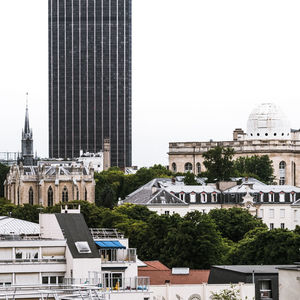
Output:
(90, 78)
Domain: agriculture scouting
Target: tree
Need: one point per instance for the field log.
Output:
(189, 179)
(255, 166)
(3, 172)
(227, 294)
(106, 197)
(234, 223)
(267, 247)
(219, 164)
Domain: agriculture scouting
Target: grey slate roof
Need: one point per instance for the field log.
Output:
(248, 269)
(154, 192)
(75, 230)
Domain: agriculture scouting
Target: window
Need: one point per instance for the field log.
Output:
(265, 289)
(282, 213)
(45, 280)
(214, 197)
(52, 279)
(192, 197)
(281, 197)
(261, 213)
(19, 255)
(292, 196)
(203, 198)
(50, 196)
(188, 167)
(271, 197)
(30, 196)
(182, 196)
(18, 196)
(282, 225)
(65, 196)
(271, 226)
(77, 193)
(85, 194)
(83, 247)
(174, 167)
(282, 167)
(271, 213)
(167, 212)
(198, 166)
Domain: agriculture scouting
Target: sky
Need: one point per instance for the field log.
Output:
(198, 69)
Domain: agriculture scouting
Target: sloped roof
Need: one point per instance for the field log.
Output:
(159, 274)
(75, 230)
(263, 188)
(192, 188)
(9, 226)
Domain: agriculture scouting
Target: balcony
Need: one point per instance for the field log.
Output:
(120, 256)
(111, 283)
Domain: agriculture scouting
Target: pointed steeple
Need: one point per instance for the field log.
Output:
(27, 141)
(26, 126)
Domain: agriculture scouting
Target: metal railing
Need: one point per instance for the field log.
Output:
(33, 261)
(122, 256)
(105, 233)
(135, 284)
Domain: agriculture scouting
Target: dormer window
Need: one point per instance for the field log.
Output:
(182, 196)
(83, 247)
(203, 198)
(192, 197)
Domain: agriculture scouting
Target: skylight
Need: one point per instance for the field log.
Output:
(83, 247)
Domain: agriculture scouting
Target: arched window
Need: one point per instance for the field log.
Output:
(30, 196)
(50, 196)
(85, 194)
(198, 167)
(77, 193)
(188, 167)
(282, 167)
(174, 167)
(65, 196)
(18, 195)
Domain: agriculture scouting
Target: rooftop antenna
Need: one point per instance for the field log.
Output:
(27, 100)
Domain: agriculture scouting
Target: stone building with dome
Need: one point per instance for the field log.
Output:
(268, 133)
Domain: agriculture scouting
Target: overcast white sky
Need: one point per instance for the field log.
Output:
(199, 68)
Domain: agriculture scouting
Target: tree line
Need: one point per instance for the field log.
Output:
(197, 240)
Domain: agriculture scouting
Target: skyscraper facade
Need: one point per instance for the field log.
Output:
(90, 78)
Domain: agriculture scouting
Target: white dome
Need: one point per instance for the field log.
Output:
(267, 122)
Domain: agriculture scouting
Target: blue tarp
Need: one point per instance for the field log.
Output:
(110, 244)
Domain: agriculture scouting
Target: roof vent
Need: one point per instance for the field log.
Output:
(180, 271)
(83, 247)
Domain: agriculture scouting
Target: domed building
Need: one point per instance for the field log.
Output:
(268, 133)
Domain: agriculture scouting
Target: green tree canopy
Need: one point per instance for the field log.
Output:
(256, 166)
(234, 223)
(219, 164)
(267, 247)
(189, 179)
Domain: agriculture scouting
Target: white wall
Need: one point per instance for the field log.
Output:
(204, 291)
(49, 227)
(289, 284)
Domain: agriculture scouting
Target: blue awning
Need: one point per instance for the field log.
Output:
(110, 244)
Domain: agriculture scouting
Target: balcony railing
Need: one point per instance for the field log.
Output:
(121, 256)
(33, 261)
(113, 284)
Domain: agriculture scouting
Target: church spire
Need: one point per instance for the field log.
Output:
(26, 126)
(27, 141)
